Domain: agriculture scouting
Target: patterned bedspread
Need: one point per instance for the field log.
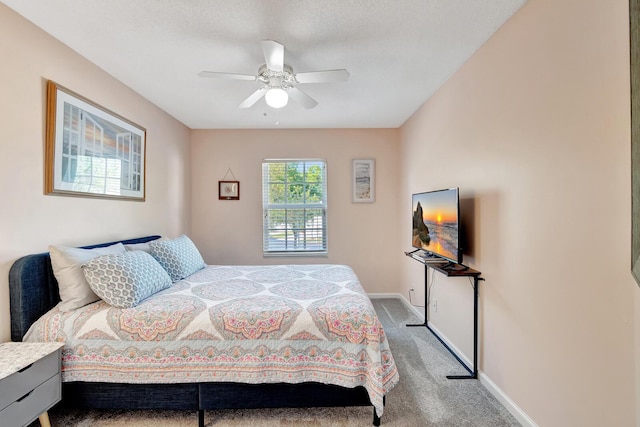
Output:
(247, 324)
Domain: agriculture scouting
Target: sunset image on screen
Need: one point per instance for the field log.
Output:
(440, 215)
(439, 207)
(435, 222)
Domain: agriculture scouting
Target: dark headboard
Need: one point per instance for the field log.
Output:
(33, 289)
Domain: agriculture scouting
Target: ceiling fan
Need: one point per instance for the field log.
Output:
(279, 82)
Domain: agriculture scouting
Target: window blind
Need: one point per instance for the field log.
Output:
(294, 200)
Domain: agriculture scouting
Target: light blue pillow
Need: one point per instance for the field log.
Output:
(123, 280)
(178, 256)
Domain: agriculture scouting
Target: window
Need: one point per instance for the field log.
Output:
(92, 162)
(294, 204)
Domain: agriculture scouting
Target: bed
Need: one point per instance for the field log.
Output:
(324, 346)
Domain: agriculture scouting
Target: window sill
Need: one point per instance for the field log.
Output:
(295, 254)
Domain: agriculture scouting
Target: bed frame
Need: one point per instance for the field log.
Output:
(33, 291)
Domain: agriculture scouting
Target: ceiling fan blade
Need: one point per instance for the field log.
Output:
(328, 76)
(216, 75)
(253, 98)
(301, 98)
(273, 55)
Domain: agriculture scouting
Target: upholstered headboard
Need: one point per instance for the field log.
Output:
(33, 289)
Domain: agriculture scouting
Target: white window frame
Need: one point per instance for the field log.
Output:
(291, 244)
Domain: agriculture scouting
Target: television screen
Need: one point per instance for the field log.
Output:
(436, 223)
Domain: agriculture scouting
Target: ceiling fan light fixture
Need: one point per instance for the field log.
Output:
(278, 81)
(276, 97)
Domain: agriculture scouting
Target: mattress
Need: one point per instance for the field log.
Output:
(245, 324)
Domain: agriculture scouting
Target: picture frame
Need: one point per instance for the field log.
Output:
(634, 46)
(229, 190)
(91, 151)
(363, 180)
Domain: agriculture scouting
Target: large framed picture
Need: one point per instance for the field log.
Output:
(364, 180)
(634, 38)
(91, 151)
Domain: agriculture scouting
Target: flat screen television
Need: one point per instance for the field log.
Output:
(436, 224)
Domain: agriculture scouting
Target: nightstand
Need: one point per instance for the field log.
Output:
(30, 382)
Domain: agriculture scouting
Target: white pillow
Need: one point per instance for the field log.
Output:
(72, 285)
(141, 246)
(123, 280)
(138, 247)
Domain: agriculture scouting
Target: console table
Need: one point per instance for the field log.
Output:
(450, 269)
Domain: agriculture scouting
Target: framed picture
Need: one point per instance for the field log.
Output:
(634, 32)
(229, 190)
(91, 151)
(364, 180)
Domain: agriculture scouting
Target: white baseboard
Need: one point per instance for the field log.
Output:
(513, 409)
(384, 295)
(486, 382)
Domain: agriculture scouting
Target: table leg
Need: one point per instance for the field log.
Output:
(44, 420)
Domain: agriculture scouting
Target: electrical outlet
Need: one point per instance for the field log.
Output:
(435, 305)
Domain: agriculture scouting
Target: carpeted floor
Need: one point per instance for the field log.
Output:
(424, 396)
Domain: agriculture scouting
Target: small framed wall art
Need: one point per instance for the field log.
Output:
(364, 180)
(229, 190)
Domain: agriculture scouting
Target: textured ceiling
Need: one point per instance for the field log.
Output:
(398, 52)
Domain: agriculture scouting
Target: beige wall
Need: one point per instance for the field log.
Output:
(535, 131)
(29, 220)
(361, 235)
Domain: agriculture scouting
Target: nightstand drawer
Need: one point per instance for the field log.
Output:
(29, 407)
(22, 382)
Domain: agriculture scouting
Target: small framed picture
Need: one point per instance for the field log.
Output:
(229, 190)
(364, 180)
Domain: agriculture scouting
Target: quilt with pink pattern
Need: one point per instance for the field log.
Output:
(247, 324)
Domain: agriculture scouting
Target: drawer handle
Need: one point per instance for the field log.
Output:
(25, 368)
(24, 397)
